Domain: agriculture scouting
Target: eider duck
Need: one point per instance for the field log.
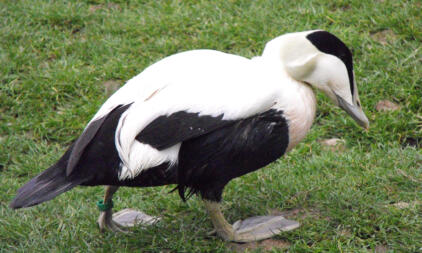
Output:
(200, 118)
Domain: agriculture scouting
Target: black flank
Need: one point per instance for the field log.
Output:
(168, 130)
(96, 162)
(213, 152)
(86, 137)
(330, 44)
(101, 162)
(207, 163)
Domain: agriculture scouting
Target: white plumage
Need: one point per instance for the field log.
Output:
(203, 81)
(211, 83)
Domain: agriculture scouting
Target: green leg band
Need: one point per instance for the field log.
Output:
(104, 206)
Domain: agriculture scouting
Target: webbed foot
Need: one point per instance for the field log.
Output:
(126, 218)
(130, 217)
(120, 221)
(261, 227)
(106, 222)
(249, 230)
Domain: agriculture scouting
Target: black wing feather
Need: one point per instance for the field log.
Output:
(85, 138)
(168, 130)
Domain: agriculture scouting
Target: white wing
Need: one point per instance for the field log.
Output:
(206, 83)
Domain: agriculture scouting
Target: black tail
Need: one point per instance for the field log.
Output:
(46, 185)
(68, 172)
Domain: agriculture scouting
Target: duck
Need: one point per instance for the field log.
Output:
(200, 118)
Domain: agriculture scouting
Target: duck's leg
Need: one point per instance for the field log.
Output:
(123, 219)
(105, 221)
(251, 229)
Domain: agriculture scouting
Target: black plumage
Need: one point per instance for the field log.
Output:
(168, 130)
(207, 163)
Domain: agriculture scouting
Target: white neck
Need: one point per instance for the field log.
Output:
(299, 109)
(296, 99)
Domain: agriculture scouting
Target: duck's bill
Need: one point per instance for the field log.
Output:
(354, 111)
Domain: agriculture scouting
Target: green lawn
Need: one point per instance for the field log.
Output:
(57, 57)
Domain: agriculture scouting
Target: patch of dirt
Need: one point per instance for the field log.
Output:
(271, 244)
(333, 144)
(266, 245)
(386, 105)
(76, 30)
(52, 56)
(93, 8)
(340, 6)
(401, 205)
(111, 86)
(404, 205)
(381, 249)
(413, 142)
(401, 172)
(384, 37)
(96, 7)
(344, 233)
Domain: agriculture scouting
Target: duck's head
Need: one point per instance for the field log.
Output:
(323, 61)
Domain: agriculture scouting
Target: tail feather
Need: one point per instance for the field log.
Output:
(47, 185)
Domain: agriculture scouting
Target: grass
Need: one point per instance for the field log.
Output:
(55, 57)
